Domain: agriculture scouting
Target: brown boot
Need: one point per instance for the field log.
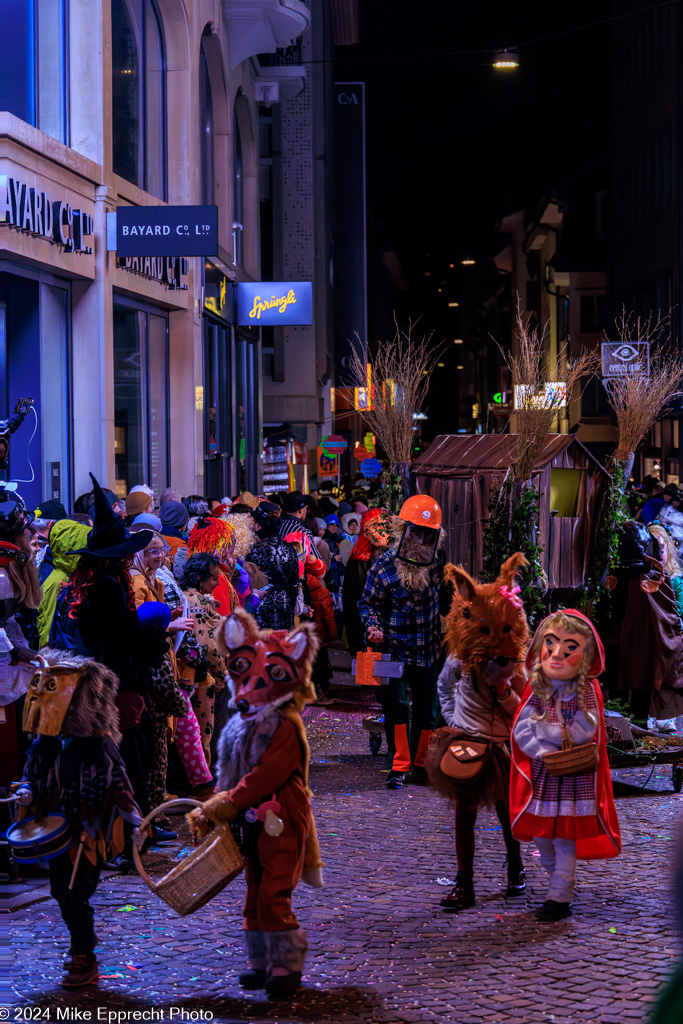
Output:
(81, 971)
(461, 895)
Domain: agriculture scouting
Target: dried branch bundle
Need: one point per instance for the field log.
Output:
(540, 396)
(638, 399)
(400, 371)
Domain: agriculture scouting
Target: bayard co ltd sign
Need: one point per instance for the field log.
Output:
(274, 303)
(34, 212)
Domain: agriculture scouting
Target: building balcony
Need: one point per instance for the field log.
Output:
(263, 26)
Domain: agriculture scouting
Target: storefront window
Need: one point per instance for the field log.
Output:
(140, 398)
(34, 363)
(138, 94)
(33, 70)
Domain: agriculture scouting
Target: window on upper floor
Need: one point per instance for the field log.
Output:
(34, 65)
(206, 144)
(139, 95)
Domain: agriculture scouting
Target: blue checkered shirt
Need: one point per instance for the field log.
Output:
(409, 619)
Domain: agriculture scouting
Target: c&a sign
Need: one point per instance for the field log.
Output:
(274, 303)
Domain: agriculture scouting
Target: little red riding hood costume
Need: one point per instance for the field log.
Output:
(597, 835)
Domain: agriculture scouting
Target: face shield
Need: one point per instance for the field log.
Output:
(418, 545)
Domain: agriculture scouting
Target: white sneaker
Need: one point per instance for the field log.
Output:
(667, 725)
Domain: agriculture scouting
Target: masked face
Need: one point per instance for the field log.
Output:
(562, 653)
(418, 545)
(47, 700)
(265, 668)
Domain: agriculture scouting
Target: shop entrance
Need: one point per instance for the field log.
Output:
(35, 318)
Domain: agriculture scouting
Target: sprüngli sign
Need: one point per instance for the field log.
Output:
(274, 303)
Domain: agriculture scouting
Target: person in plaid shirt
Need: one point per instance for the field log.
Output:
(400, 604)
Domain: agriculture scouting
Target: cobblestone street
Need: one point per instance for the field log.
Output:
(381, 949)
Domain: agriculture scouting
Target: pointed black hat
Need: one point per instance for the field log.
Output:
(109, 537)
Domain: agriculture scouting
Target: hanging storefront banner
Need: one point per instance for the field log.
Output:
(371, 468)
(327, 465)
(334, 444)
(274, 303)
(165, 230)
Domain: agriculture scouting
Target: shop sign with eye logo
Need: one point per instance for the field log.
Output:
(625, 359)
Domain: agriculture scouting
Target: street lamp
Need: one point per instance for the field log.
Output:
(505, 60)
(468, 262)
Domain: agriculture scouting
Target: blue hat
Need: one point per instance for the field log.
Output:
(154, 613)
(331, 520)
(148, 519)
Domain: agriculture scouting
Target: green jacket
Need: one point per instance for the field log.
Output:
(65, 536)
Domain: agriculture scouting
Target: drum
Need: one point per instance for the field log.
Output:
(32, 840)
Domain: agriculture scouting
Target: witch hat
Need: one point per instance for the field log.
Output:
(109, 537)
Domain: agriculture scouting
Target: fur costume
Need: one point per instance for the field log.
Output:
(487, 634)
(74, 768)
(263, 756)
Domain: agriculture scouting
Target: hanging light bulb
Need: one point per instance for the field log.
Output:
(505, 60)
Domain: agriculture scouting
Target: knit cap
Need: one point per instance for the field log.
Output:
(174, 513)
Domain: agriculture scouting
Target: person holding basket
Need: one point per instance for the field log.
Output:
(560, 787)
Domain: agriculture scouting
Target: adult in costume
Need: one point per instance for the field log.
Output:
(74, 768)
(400, 606)
(569, 816)
(479, 688)
(263, 790)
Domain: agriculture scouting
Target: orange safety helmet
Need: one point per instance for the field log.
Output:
(421, 510)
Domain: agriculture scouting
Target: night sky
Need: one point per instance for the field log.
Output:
(453, 145)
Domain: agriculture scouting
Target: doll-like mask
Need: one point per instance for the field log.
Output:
(562, 653)
(265, 668)
(48, 698)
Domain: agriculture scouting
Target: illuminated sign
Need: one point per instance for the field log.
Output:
(167, 230)
(274, 303)
(541, 396)
(625, 358)
(333, 444)
(33, 212)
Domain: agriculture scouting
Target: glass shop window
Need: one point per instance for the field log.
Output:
(140, 399)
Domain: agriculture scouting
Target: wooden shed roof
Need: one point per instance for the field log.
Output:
(461, 454)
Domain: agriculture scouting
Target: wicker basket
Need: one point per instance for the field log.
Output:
(202, 875)
(571, 760)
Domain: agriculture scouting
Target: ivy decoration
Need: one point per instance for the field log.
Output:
(513, 526)
(607, 541)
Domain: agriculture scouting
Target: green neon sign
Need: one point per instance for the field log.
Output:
(498, 398)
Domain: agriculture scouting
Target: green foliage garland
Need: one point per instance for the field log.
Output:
(497, 531)
(607, 542)
(514, 527)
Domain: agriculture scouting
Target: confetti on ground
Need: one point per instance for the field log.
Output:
(127, 907)
(613, 931)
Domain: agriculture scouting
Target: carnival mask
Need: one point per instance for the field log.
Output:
(265, 668)
(48, 698)
(562, 653)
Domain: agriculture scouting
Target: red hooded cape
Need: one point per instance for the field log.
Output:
(597, 836)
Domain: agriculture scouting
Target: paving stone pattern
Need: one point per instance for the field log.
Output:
(382, 952)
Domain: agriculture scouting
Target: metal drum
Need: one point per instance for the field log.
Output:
(33, 840)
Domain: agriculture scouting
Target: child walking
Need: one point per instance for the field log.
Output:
(568, 816)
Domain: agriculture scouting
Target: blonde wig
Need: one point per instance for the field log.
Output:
(540, 685)
(672, 564)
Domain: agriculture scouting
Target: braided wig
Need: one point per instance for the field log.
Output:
(541, 686)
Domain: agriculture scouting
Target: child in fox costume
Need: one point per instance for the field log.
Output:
(567, 816)
(263, 760)
(479, 687)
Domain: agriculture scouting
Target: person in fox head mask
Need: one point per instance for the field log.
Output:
(400, 609)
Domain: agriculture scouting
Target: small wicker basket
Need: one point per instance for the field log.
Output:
(202, 874)
(572, 760)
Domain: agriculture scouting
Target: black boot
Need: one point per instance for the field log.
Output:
(461, 895)
(553, 911)
(417, 777)
(394, 780)
(279, 986)
(252, 979)
(516, 881)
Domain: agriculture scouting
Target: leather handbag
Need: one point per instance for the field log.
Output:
(465, 758)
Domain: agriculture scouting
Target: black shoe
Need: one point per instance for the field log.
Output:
(252, 979)
(280, 985)
(162, 835)
(461, 895)
(394, 780)
(553, 911)
(68, 959)
(81, 971)
(417, 777)
(516, 882)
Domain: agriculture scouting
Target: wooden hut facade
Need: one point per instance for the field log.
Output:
(460, 471)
